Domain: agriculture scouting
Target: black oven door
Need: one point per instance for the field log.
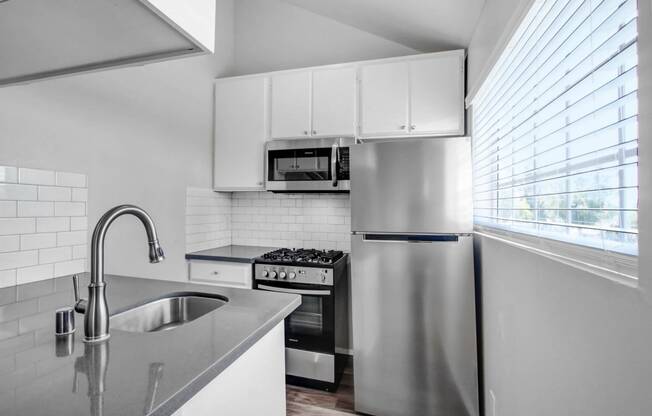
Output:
(312, 325)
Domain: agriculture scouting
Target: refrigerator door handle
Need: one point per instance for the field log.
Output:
(410, 238)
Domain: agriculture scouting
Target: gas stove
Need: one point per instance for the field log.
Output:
(320, 278)
(298, 265)
(301, 256)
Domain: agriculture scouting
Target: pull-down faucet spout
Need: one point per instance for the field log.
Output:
(96, 310)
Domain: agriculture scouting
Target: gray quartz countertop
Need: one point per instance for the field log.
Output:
(130, 373)
(234, 253)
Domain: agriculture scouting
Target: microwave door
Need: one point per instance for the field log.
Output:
(295, 166)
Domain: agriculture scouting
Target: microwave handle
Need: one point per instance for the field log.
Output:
(335, 155)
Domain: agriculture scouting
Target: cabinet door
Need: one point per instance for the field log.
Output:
(437, 95)
(333, 102)
(384, 99)
(291, 105)
(240, 133)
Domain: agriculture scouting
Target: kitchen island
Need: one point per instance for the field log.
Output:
(228, 362)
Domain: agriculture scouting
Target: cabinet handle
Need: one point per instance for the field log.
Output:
(412, 127)
(305, 132)
(402, 127)
(314, 132)
(259, 183)
(216, 272)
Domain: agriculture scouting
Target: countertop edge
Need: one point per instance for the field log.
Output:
(180, 398)
(204, 257)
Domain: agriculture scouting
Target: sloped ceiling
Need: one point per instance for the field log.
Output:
(425, 25)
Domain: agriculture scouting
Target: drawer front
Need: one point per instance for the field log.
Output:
(221, 273)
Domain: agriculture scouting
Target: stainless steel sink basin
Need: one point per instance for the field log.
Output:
(168, 312)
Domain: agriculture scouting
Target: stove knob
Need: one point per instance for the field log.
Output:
(265, 273)
(323, 277)
(272, 275)
(282, 275)
(292, 275)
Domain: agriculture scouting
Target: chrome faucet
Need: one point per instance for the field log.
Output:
(96, 310)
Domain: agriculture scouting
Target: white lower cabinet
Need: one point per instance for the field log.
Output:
(221, 273)
(253, 385)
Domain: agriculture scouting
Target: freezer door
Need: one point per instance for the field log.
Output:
(414, 332)
(421, 186)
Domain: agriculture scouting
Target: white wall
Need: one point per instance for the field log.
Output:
(272, 35)
(557, 340)
(142, 135)
(498, 20)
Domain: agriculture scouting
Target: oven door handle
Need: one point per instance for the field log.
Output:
(296, 291)
(335, 155)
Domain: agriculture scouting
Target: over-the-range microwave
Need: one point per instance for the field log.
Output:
(308, 165)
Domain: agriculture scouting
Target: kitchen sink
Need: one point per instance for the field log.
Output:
(168, 312)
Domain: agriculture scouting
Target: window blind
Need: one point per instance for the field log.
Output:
(555, 134)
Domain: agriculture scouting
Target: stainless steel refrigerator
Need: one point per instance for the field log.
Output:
(412, 279)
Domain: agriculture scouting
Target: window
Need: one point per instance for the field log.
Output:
(555, 135)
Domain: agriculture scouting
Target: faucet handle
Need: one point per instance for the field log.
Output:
(80, 304)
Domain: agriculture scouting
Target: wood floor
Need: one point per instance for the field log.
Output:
(302, 401)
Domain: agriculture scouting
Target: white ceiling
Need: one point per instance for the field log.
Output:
(425, 25)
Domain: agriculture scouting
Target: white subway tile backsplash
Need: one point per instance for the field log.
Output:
(71, 238)
(7, 278)
(79, 252)
(8, 174)
(34, 273)
(69, 267)
(319, 221)
(78, 223)
(10, 226)
(35, 209)
(53, 255)
(8, 208)
(34, 241)
(208, 219)
(80, 194)
(76, 180)
(43, 224)
(291, 220)
(18, 259)
(54, 193)
(15, 192)
(52, 224)
(69, 209)
(9, 243)
(35, 176)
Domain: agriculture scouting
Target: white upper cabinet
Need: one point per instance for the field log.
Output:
(57, 38)
(240, 133)
(333, 102)
(414, 96)
(291, 105)
(436, 95)
(384, 99)
(313, 103)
